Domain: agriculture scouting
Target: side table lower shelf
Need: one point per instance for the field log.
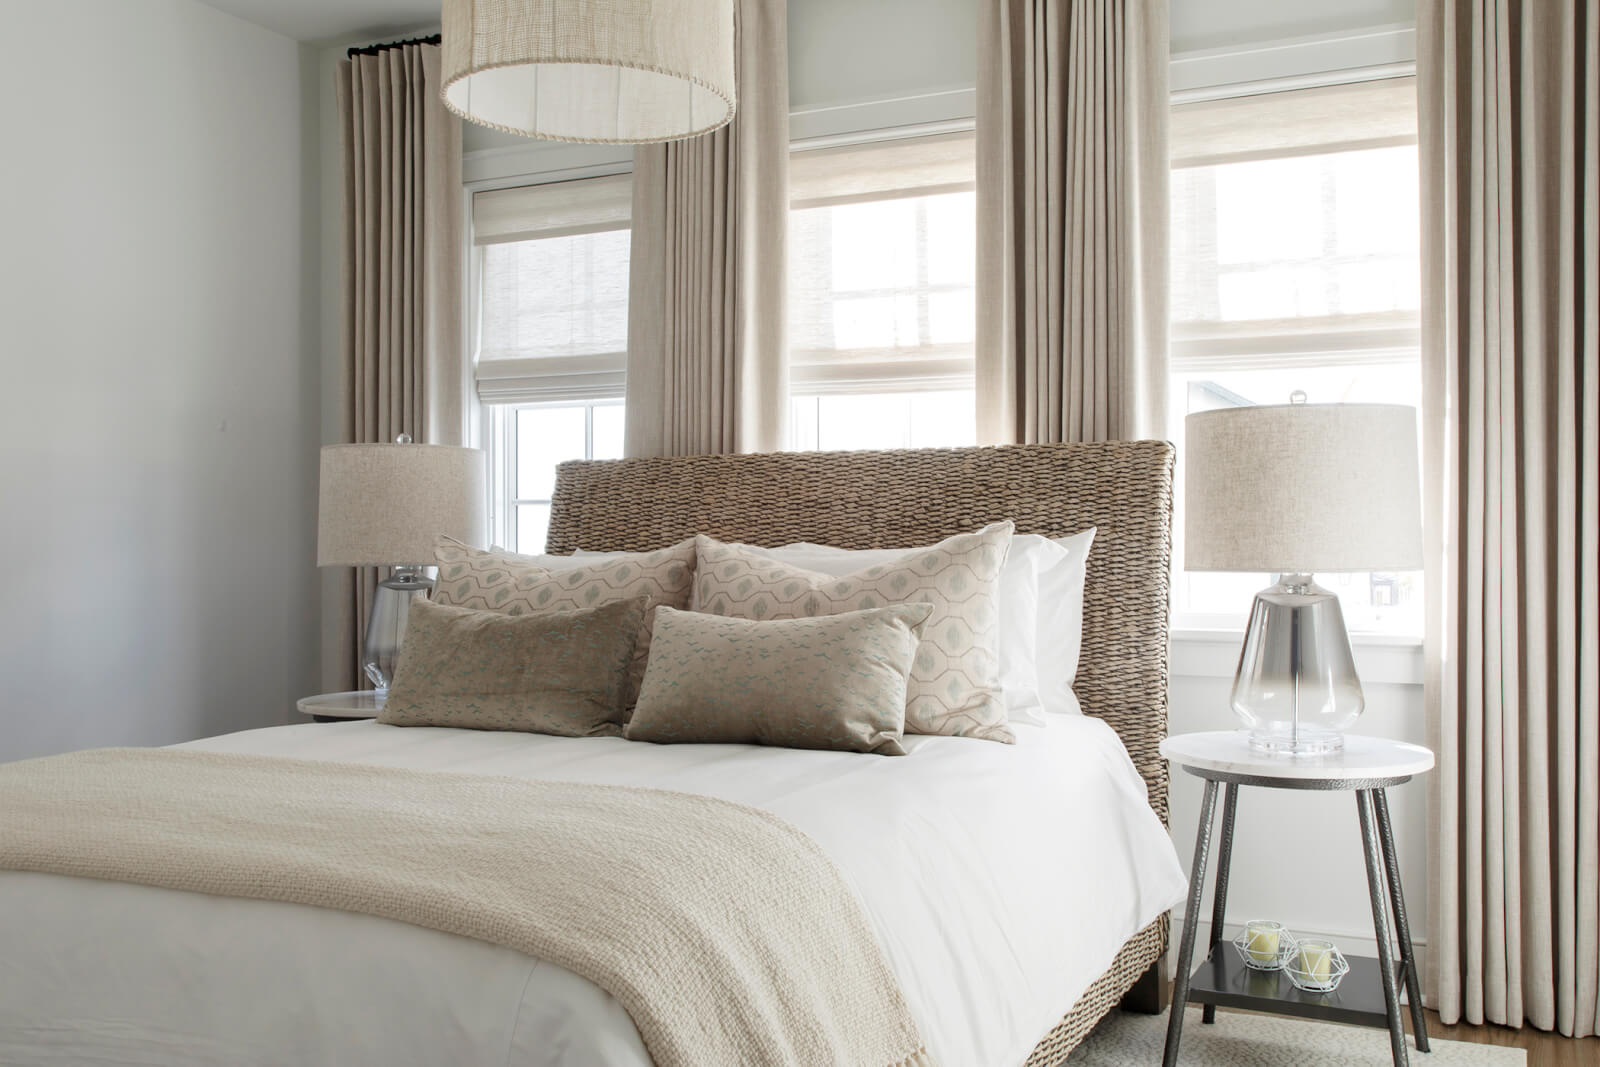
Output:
(1224, 980)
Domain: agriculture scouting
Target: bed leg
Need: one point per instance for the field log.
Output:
(1149, 995)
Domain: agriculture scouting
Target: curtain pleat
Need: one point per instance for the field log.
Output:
(708, 364)
(405, 366)
(1072, 220)
(1511, 366)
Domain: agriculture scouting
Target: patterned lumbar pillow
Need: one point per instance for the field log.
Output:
(560, 672)
(505, 582)
(834, 682)
(955, 681)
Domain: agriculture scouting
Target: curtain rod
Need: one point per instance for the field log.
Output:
(374, 49)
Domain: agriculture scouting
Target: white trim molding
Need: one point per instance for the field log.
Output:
(825, 127)
(1295, 63)
(538, 162)
(1236, 70)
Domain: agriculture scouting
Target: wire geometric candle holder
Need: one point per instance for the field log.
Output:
(1265, 945)
(1316, 967)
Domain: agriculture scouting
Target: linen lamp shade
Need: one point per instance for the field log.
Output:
(609, 71)
(384, 505)
(1302, 488)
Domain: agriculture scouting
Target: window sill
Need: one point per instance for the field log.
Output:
(1381, 659)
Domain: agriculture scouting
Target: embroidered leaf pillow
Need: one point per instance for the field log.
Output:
(955, 679)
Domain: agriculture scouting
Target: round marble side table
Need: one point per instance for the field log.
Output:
(337, 707)
(1370, 994)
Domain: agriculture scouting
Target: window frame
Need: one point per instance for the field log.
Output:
(502, 432)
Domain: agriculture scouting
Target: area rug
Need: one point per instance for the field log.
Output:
(1236, 1040)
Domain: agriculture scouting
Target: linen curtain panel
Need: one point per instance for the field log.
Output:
(404, 366)
(708, 367)
(1072, 220)
(1511, 369)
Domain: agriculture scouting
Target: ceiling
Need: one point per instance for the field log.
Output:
(329, 20)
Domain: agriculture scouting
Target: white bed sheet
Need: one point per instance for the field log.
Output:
(1000, 879)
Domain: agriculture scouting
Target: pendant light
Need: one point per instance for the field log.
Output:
(607, 71)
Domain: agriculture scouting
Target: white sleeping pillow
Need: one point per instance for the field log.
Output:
(1061, 576)
(1033, 565)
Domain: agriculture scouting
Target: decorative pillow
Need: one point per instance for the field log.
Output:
(834, 682)
(560, 672)
(955, 684)
(505, 582)
(1040, 606)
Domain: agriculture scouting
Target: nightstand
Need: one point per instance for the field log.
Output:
(336, 707)
(1370, 994)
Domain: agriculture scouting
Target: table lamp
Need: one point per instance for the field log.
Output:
(1293, 489)
(384, 506)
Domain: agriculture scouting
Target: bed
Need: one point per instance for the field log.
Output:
(130, 973)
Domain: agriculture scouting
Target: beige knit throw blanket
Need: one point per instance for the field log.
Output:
(724, 932)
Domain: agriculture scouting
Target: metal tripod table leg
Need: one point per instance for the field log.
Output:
(1380, 923)
(1219, 896)
(1402, 925)
(1197, 882)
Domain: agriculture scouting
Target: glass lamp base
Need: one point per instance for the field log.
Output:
(1296, 690)
(386, 627)
(1305, 743)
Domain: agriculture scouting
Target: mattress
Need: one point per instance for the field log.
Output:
(999, 879)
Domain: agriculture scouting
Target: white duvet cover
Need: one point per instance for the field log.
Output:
(1000, 879)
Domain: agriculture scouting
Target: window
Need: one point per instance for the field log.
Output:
(529, 441)
(881, 305)
(551, 330)
(1295, 267)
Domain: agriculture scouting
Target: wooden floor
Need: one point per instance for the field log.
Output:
(1544, 1049)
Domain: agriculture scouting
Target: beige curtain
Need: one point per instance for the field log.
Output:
(708, 367)
(405, 369)
(1511, 341)
(1072, 220)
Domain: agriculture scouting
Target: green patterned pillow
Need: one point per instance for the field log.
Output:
(560, 672)
(955, 683)
(505, 582)
(835, 682)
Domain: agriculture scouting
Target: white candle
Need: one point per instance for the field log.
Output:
(1261, 940)
(1316, 960)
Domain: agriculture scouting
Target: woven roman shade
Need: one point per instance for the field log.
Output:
(881, 266)
(1327, 118)
(552, 274)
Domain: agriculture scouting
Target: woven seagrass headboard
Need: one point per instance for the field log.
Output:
(901, 499)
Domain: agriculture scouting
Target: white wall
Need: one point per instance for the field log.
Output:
(157, 454)
(847, 52)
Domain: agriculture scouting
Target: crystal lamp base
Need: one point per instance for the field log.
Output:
(1308, 742)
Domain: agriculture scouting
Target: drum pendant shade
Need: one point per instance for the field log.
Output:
(604, 71)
